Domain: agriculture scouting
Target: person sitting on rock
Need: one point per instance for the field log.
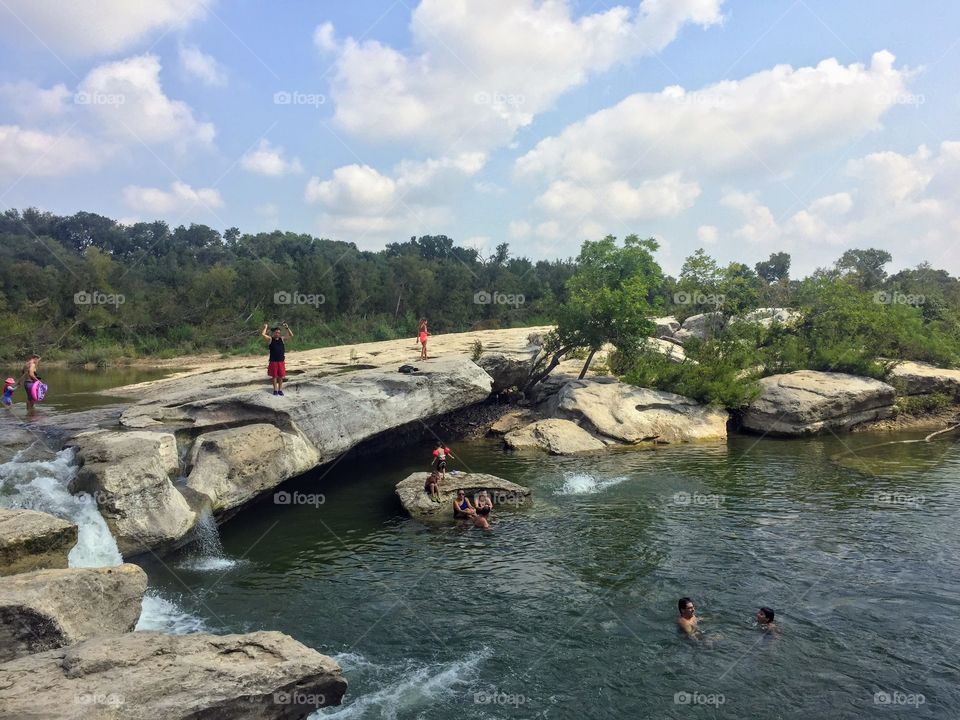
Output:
(462, 507)
(432, 486)
(440, 456)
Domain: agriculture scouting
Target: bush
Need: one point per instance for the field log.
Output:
(923, 404)
(476, 350)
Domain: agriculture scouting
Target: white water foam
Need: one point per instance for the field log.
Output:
(43, 485)
(208, 552)
(585, 484)
(413, 689)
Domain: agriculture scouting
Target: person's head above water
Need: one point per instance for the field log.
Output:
(765, 615)
(685, 606)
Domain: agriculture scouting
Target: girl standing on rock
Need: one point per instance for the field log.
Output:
(422, 336)
(276, 367)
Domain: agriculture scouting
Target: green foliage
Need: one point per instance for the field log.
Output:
(476, 350)
(774, 270)
(923, 404)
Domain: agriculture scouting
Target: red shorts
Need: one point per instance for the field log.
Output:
(277, 370)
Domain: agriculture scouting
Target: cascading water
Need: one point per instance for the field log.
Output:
(42, 485)
(208, 552)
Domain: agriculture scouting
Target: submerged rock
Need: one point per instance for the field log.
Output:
(129, 476)
(418, 504)
(31, 540)
(808, 401)
(557, 437)
(49, 609)
(152, 676)
(636, 415)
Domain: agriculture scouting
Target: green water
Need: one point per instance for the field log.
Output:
(566, 609)
(74, 389)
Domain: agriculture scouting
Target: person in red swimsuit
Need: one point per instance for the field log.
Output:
(422, 336)
(276, 367)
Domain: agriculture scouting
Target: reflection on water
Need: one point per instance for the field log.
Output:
(566, 608)
(76, 388)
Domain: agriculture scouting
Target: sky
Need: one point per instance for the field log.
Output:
(744, 127)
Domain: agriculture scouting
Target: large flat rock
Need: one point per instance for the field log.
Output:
(808, 401)
(918, 378)
(31, 540)
(418, 504)
(49, 609)
(557, 437)
(630, 414)
(152, 676)
(129, 475)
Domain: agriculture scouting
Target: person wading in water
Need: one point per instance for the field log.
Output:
(276, 368)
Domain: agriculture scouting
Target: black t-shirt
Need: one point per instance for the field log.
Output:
(276, 350)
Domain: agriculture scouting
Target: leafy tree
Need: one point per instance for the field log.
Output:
(775, 269)
(864, 268)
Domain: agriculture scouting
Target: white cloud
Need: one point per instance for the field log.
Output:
(760, 123)
(268, 160)
(203, 67)
(519, 229)
(32, 153)
(708, 234)
(35, 103)
(906, 204)
(618, 200)
(480, 71)
(94, 28)
(129, 103)
(324, 37)
(180, 198)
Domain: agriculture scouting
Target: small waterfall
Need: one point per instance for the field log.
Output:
(207, 551)
(42, 485)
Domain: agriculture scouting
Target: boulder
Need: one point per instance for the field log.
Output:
(682, 335)
(668, 348)
(128, 475)
(418, 504)
(507, 371)
(766, 317)
(637, 415)
(49, 609)
(808, 401)
(557, 437)
(31, 540)
(234, 466)
(705, 325)
(511, 421)
(917, 378)
(152, 676)
(665, 326)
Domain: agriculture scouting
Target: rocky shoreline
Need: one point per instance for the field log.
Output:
(213, 442)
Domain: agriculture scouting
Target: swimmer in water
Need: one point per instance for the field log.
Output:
(686, 619)
(765, 617)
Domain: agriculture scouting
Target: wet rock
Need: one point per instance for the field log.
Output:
(31, 540)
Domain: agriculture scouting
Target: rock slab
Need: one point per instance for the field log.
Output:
(418, 504)
(49, 609)
(918, 378)
(556, 436)
(152, 676)
(806, 402)
(31, 540)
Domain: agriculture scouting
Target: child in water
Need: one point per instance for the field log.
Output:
(9, 385)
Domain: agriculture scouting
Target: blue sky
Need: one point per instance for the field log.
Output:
(742, 127)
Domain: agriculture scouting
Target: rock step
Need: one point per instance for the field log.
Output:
(31, 540)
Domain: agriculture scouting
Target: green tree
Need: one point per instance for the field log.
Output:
(775, 269)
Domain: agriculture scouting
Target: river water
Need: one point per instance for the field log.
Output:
(565, 609)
